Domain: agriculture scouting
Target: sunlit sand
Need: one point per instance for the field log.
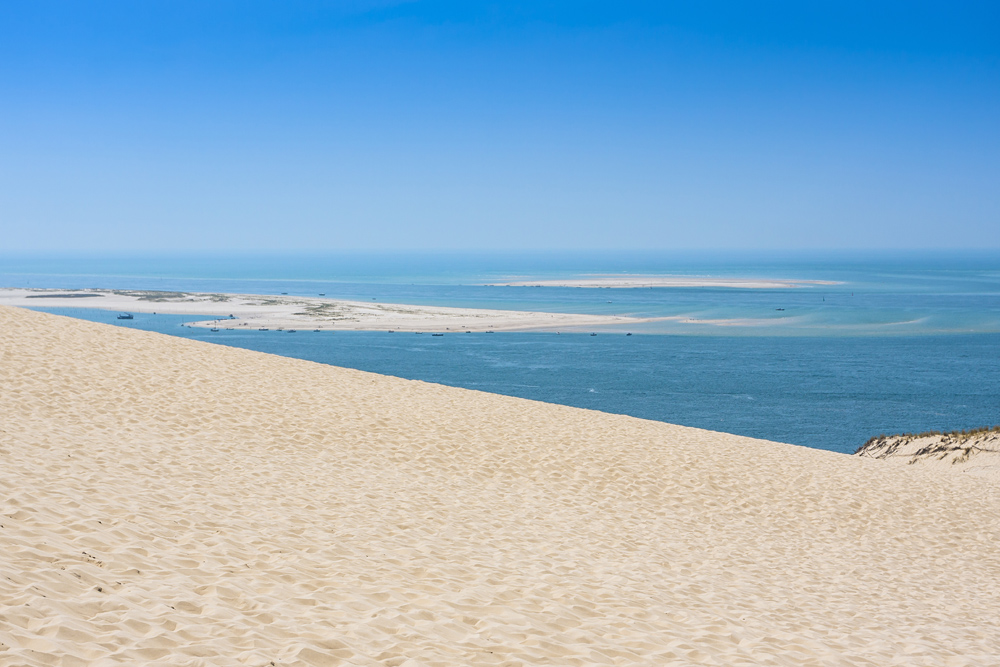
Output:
(167, 501)
(975, 452)
(297, 312)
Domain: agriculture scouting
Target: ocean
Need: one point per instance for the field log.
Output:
(899, 342)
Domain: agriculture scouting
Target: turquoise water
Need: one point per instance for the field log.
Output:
(901, 343)
(876, 295)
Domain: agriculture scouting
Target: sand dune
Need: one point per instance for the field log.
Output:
(973, 453)
(173, 502)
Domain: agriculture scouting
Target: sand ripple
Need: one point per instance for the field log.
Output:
(166, 501)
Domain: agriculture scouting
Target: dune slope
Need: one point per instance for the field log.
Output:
(975, 452)
(166, 501)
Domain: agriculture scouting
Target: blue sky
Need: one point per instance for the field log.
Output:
(245, 126)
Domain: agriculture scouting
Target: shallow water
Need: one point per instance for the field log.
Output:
(874, 294)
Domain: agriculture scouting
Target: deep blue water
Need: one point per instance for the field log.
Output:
(899, 342)
(826, 392)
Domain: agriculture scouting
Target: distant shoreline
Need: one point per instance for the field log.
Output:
(625, 282)
(254, 311)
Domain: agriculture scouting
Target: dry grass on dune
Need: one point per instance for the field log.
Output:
(972, 452)
(179, 503)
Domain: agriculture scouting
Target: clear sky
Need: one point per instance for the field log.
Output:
(236, 125)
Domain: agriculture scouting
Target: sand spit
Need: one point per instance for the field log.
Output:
(294, 312)
(620, 281)
(974, 452)
(171, 502)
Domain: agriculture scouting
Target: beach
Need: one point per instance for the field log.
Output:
(299, 312)
(170, 501)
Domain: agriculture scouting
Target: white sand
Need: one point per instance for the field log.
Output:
(975, 454)
(627, 281)
(173, 502)
(293, 312)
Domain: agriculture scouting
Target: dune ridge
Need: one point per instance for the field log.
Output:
(975, 452)
(167, 501)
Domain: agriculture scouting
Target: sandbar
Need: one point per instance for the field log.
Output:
(631, 281)
(255, 311)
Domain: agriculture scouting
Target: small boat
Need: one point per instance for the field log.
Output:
(437, 334)
(322, 293)
(262, 329)
(593, 334)
(315, 330)
(125, 316)
(468, 332)
(628, 334)
(779, 308)
(291, 331)
(490, 332)
(391, 331)
(214, 329)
